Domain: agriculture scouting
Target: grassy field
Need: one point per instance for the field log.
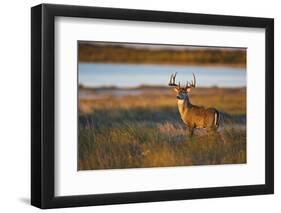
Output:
(134, 128)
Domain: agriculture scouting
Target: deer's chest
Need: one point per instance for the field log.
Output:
(182, 107)
(189, 116)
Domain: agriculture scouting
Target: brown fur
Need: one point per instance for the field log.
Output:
(193, 116)
(196, 116)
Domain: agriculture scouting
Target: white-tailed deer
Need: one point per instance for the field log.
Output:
(193, 116)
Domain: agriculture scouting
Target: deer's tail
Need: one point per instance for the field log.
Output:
(217, 119)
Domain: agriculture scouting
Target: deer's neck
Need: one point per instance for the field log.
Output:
(184, 106)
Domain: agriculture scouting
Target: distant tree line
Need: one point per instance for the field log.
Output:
(123, 54)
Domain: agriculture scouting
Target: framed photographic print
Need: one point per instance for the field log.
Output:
(139, 106)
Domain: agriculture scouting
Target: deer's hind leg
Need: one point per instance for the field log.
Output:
(213, 131)
(217, 134)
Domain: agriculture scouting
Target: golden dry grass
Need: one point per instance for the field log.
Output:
(145, 130)
(232, 101)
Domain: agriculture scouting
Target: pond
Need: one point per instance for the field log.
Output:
(134, 75)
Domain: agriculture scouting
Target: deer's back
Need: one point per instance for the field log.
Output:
(200, 117)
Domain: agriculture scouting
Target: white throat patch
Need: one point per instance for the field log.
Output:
(180, 102)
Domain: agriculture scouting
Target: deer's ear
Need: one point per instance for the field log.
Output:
(188, 90)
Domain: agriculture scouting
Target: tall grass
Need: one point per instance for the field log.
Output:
(118, 137)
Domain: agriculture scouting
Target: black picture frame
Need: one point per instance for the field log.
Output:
(43, 105)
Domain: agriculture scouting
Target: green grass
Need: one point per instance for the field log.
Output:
(137, 137)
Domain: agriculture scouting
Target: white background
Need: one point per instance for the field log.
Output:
(15, 106)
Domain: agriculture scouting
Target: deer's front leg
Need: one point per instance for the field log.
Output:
(191, 131)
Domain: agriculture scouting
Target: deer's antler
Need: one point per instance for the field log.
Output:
(172, 81)
(191, 84)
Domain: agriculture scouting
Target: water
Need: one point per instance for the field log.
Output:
(133, 75)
